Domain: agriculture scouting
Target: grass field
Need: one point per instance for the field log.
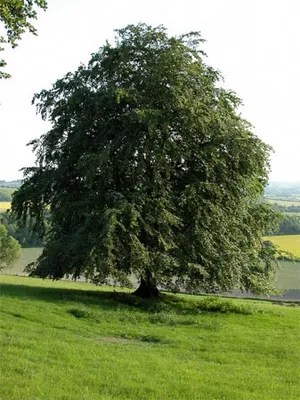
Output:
(73, 341)
(4, 206)
(289, 243)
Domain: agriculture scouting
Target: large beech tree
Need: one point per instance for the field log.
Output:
(149, 171)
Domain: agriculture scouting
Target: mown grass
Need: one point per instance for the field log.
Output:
(290, 243)
(65, 340)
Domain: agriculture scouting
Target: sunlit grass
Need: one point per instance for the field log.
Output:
(67, 340)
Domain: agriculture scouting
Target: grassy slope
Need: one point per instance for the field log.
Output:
(289, 243)
(170, 350)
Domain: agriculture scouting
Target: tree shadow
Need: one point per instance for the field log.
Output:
(112, 300)
(105, 299)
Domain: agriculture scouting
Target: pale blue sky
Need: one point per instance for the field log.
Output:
(254, 43)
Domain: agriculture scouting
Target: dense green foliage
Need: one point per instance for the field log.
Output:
(66, 340)
(16, 17)
(287, 278)
(9, 248)
(25, 236)
(149, 170)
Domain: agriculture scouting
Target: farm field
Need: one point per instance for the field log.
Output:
(289, 243)
(284, 202)
(4, 206)
(291, 214)
(66, 340)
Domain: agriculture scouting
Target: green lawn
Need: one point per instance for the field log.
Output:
(65, 340)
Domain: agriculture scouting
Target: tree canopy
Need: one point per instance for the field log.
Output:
(9, 248)
(17, 16)
(149, 171)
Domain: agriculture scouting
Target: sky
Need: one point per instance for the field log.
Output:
(254, 43)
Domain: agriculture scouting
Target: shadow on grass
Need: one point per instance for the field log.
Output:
(115, 300)
(105, 299)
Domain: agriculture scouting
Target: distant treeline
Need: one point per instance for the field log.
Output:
(24, 236)
(286, 209)
(10, 184)
(6, 193)
(289, 225)
(4, 196)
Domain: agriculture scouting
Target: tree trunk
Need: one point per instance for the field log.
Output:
(147, 288)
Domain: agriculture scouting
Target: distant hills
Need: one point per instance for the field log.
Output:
(283, 184)
(10, 184)
(283, 189)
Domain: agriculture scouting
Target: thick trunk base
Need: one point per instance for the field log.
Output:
(146, 290)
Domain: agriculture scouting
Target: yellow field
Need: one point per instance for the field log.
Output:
(4, 205)
(290, 243)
